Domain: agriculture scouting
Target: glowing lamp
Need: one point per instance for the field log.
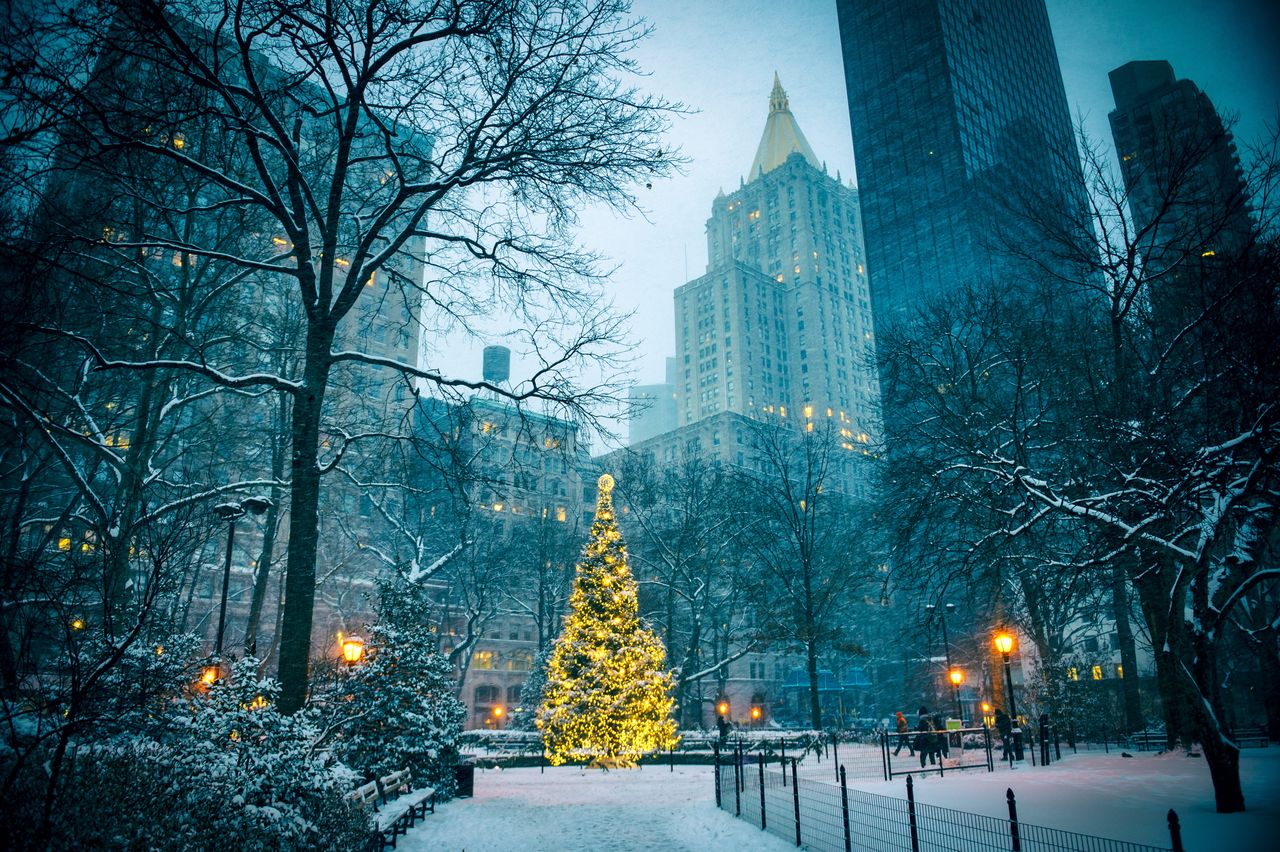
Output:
(497, 712)
(956, 676)
(77, 623)
(723, 708)
(986, 707)
(209, 676)
(352, 649)
(1004, 643)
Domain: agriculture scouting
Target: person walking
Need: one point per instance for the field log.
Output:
(1005, 726)
(925, 736)
(904, 735)
(942, 742)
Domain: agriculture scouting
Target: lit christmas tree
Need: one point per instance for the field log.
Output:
(607, 698)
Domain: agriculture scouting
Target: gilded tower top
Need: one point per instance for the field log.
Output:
(782, 136)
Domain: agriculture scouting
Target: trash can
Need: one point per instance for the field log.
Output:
(464, 776)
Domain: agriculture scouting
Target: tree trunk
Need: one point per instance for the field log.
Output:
(815, 697)
(304, 506)
(262, 577)
(1128, 653)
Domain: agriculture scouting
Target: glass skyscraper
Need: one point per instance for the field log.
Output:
(959, 121)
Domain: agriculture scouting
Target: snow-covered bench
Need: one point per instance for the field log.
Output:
(397, 806)
(1252, 738)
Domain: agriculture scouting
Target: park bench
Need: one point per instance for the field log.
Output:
(396, 805)
(1252, 738)
(1148, 740)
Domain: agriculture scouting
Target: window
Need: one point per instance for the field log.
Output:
(483, 660)
(1097, 672)
(486, 694)
(1073, 673)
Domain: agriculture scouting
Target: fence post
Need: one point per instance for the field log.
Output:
(795, 793)
(986, 739)
(782, 746)
(1044, 740)
(844, 809)
(1175, 831)
(715, 748)
(762, 822)
(884, 754)
(835, 754)
(911, 814)
(1013, 820)
(737, 785)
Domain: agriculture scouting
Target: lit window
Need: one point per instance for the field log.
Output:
(808, 411)
(483, 660)
(64, 544)
(1119, 670)
(1097, 672)
(561, 514)
(1073, 673)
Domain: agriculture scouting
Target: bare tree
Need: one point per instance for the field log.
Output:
(424, 150)
(808, 559)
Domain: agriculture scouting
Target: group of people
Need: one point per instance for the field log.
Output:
(930, 740)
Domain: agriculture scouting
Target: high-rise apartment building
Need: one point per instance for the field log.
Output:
(1179, 163)
(780, 324)
(958, 116)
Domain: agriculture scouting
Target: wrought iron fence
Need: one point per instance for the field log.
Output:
(824, 816)
(940, 751)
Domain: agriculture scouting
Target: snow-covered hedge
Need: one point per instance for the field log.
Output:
(217, 769)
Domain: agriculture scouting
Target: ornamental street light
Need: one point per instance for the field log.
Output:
(1004, 644)
(232, 512)
(956, 676)
(352, 650)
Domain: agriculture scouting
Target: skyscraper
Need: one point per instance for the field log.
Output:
(1179, 164)
(958, 113)
(780, 324)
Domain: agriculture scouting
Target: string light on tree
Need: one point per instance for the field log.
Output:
(608, 695)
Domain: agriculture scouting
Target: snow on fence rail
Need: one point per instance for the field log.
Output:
(824, 816)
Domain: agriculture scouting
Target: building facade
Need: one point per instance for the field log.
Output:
(780, 325)
(958, 112)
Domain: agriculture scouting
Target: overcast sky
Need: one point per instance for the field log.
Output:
(719, 58)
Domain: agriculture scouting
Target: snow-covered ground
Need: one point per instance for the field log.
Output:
(1124, 798)
(572, 808)
(1106, 795)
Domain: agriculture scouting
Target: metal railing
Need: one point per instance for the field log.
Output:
(943, 752)
(824, 816)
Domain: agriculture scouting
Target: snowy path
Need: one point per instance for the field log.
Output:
(1118, 797)
(1105, 795)
(571, 809)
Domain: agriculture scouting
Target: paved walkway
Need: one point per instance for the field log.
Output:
(573, 808)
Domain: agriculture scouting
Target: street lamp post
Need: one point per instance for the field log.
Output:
(232, 512)
(948, 609)
(957, 677)
(1004, 644)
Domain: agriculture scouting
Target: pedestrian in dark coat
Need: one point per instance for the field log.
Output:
(925, 738)
(1005, 726)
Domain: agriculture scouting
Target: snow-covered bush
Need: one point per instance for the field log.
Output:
(211, 768)
(400, 704)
